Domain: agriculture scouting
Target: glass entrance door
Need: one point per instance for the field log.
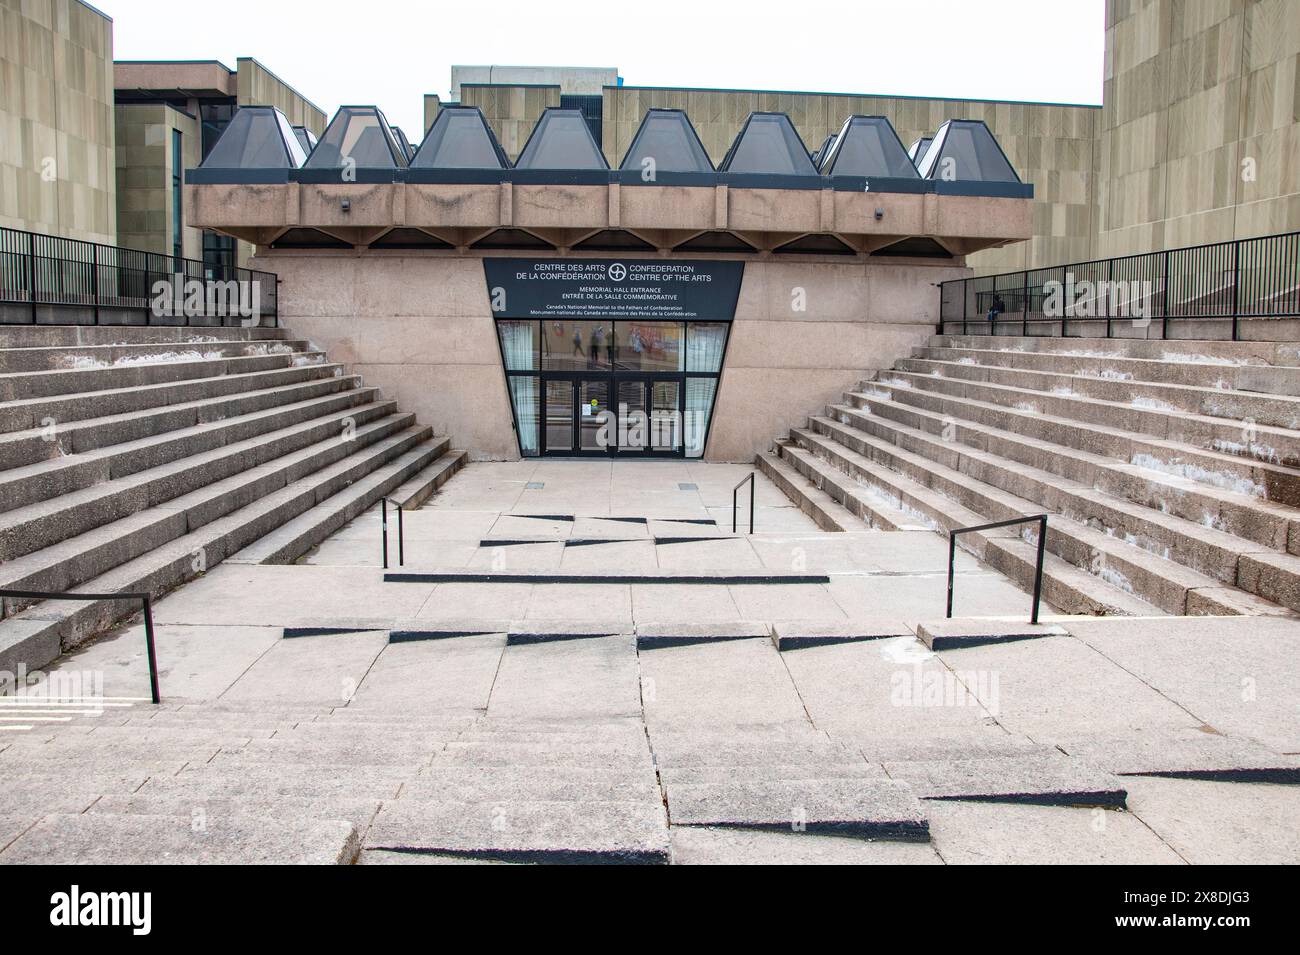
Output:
(594, 422)
(612, 414)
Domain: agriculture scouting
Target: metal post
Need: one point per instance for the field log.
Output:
(94, 278)
(1110, 278)
(401, 540)
(31, 271)
(1038, 571)
(952, 557)
(1024, 315)
(1164, 305)
(148, 642)
(752, 489)
(383, 510)
(1236, 286)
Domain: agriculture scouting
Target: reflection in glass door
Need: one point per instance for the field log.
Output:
(593, 422)
(665, 416)
(632, 435)
(559, 415)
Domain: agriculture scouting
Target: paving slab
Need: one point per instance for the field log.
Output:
(569, 680)
(658, 636)
(703, 603)
(1241, 675)
(923, 596)
(238, 780)
(459, 601)
(867, 809)
(1043, 780)
(699, 845)
(357, 811)
(1217, 823)
(738, 682)
(515, 784)
(980, 833)
(548, 832)
(131, 839)
(325, 670)
(432, 675)
(803, 634)
(811, 770)
(975, 632)
(1191, 754)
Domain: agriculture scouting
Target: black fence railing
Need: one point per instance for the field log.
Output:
(49, 279)
(734, 492)
(1203, 291)
(401, 532)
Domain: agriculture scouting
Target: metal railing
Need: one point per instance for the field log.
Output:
(49, 279)
(1205, 287)
(401, 534)
(146, 601)
(1040, 519)
(734, 491)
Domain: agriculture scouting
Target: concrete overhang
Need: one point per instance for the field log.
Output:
(563, 214)
(201, 78)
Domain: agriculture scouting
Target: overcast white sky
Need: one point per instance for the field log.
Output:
(390, 52)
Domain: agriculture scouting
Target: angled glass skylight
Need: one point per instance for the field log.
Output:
(916, 152)
(768, 144)
(561, 140)
(867, 146)
(822, 150)
(306, 138)
(405, 143)
(359, 133)
(257, 137)
(666, 137)
(964, 150)
(460, 138)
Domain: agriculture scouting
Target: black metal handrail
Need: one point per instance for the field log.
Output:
(734, 491)
(401, 534)
(1223, 282)
(1041, 520)
(60, 275)
(144, 598)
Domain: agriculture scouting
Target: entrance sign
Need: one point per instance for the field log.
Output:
(677, 289)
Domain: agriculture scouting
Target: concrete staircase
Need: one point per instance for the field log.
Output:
(1170, 470)
(133, 459)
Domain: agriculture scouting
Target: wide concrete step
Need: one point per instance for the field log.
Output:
(1275, 445)
(65, 357)
(36, 482)
(810, 497)
(294, 538)
(21, 448)
(44, 384)
(810, 482)
(1282, 411)
(1202, 371)
(413, 493)
(1066, 587)
(1241, 512)
(1266, 353)
(315, 505)
(201, 485)
(225, 838)
(58, 411)
(1217, 469)
(48, 336)
(1161, 558)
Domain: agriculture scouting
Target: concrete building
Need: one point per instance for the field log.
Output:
(56, 119)
(168, 116)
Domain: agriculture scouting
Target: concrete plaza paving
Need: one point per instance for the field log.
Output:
(1116, 740)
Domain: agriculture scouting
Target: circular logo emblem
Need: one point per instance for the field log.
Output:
(617, 272)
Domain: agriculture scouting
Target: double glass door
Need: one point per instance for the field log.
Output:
(612, 414)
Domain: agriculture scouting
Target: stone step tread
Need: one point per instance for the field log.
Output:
(113, 838)
(346, 504)
(1281, 354)
(39, 336)
(1263, 429)
(883, 513)
(176, 508)
(229, 348)
(840, 517)
(269, 416)
(979, 349)
(1099, 592)
(160, 389)
(950, 514)
(1173, 481)
(141, 572)
(1203, 391)
(198, 406)
(420, 488)
(1227, 459)
(71, 381)
(1170, 523)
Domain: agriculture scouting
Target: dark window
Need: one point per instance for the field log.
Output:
(218, 253)
(178, 163)
(592, 108)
